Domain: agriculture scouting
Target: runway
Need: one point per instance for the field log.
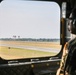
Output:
(54, 50)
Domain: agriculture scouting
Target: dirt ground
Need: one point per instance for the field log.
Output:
(17, 53)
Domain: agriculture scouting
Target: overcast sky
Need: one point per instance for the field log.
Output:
(29, 19)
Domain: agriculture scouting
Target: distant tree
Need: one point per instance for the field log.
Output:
(14, 36)
(18, 37)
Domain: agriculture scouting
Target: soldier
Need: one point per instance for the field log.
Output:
(69, 46)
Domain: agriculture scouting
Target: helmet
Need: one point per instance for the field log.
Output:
(72, 22)
(74, 17)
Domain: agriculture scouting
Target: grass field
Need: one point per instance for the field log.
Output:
(17, 53)
(36, 44)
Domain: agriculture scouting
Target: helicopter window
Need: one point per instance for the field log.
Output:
(29, 29)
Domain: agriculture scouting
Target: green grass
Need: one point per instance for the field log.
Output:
(17, 53)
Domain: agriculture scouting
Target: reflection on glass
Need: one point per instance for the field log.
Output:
(29, 29)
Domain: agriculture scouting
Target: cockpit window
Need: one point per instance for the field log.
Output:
(29, 29)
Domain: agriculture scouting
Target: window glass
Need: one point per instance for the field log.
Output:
(29, 29)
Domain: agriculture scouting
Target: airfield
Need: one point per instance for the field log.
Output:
(27, 49)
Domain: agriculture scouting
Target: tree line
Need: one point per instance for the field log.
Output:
(31, 39)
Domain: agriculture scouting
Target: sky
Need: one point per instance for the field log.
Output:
(29, 19)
